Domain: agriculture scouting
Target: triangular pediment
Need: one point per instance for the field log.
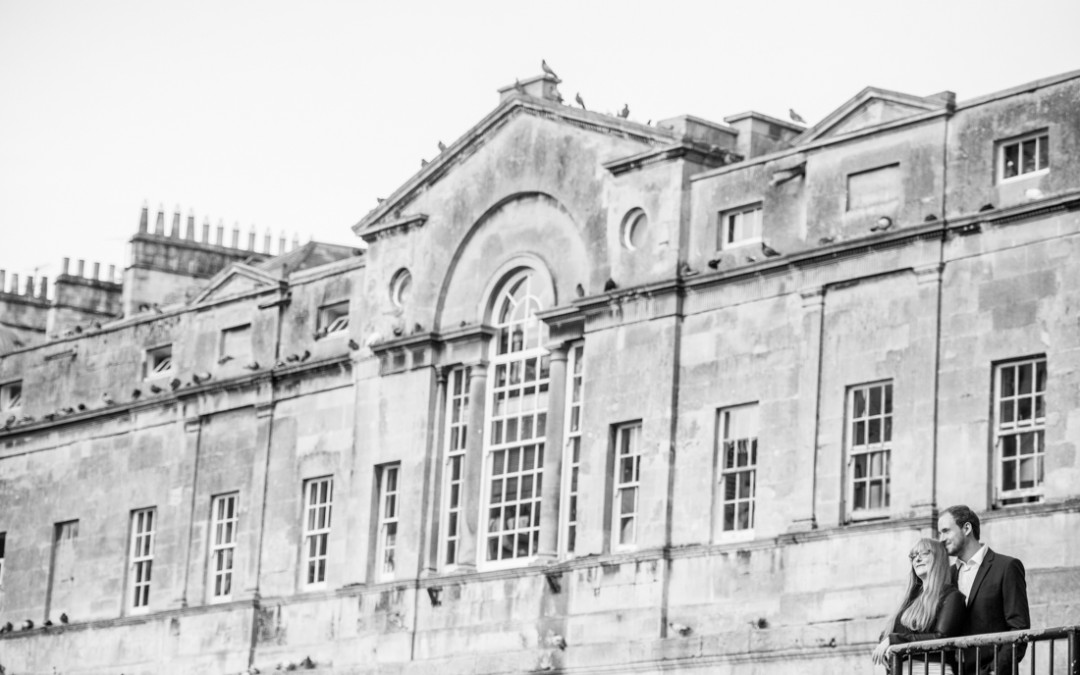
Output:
(873, 107)
(237, 279)
(394, 212)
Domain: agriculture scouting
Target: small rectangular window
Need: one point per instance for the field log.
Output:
(386, 555)
(158, 362)
(1019, 430)
(572, 456)
(223, 522)
(627, 482)
(11, 396)
(739, 227)
(457, 426)
(318, 499)
(1024, 156)
(334, 318)
(142, 556)
(236, 344)
(3, 546)
(738, 428)
(870, 415)
(877, 188)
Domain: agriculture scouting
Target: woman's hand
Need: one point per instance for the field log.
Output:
(880, 655)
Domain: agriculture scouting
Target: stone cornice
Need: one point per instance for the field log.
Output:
(683, 150)
(397, 225)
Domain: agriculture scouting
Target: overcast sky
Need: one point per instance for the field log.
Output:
(296, 116)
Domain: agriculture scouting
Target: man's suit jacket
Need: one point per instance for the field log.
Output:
(997, 602)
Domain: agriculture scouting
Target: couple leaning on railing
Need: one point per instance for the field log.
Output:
(984, 593)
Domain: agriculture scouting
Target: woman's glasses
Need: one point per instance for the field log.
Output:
(917, 555)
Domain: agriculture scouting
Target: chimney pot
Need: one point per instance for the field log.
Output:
(190, 234)
(143, 217)
(281, 243)
(112, 273)
(64, 265)
(15, 283)
(295, 241)
(29, 287)
(80, 268)
(174, 231)
(43, 288)
(97, 270)
(159, 223)
(220, 232)
(266, 240)
(251, 238)
(3, 278)
(206, 230)
(236, 235)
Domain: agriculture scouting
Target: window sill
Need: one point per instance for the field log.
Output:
(866, 515)
(734, 536)
(1023, 177)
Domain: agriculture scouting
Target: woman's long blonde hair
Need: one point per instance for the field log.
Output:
(919, 605)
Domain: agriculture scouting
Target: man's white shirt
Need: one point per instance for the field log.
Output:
(967, 571)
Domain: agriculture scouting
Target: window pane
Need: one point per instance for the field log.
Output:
(1012, 161)
(1044, 152)
(1027, 153)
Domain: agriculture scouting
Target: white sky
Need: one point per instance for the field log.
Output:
(297, 115)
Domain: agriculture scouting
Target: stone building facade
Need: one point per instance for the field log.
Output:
(595, 397)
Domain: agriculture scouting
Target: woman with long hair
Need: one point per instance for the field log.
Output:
(932, 607)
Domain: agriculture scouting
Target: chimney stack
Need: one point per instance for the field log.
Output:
(43, 288)
(159, 224)
(295, 241)
(143, 218)
(190, 234)
(29, 287)
(281, 243)
(97, 270)
(174, 232)
(266, 240)
(65, 265)
(3, 278)
(236, 234)
(112, 273)
(80, 268)
(251, 238)
(14, 283)
(220, 232)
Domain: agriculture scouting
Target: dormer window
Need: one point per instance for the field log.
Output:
(1024, 156)
(11, 397)
(740, 226)
(333, 318)
(158, 362)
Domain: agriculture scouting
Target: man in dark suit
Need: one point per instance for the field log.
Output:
(993, 584)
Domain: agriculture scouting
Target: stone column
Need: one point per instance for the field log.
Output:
(254, 516)
(429, 549)
(928, 278)
(551, 494)
(470, 527)
(192, 434)
(804, 470)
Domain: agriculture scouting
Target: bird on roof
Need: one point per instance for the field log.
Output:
(625, 112)
(610, 285)
(380, 199)
(714, 263)
(768, 251)
(442, 146)
(423, 163)
(517, 86)
(107, 399)
(353, 344)
(579, 101)
(579, 290)
(795, 117)
(547, 69)
(63, 618)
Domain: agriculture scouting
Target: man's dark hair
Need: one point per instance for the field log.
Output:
(962, 514)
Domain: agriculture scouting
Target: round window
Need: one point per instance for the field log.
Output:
(400, 286)
(633, 229)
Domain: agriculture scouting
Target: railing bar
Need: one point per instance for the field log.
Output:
(1052, 657)
(1034, 649)
(925, 663)
(993, 663)
(1015, 665)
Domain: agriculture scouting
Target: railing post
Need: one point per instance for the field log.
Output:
(894, 660)
(1074, 652)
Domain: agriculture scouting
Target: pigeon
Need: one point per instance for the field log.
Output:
(579, 290)
(380, 199)
(625, 112)
(547, 69)
(47, 623)
(417, 328)
(28, 624)
(714, 263)
(423, 163)
(882, 225)
(154, 389)
(398, 331)
(685, 270)
(106, 399)
(610, 285)
(280, 364)
(442, 146)
(64, 618)
(768, 251)
(826, 240)
(136, 393)
(175, 383)
(49, 417)
(6, 628)
(353, 344)
(579, 101)
(795, 117)
(648, 122)
(305, 356)
(252, 365)
(517, 86)
(681, 629)
(10, 422)
(292, 358)
(751, 259)
(224, 359)
(81, 407)
(986, 207)
(68, 410)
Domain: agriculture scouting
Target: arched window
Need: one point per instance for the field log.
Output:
(517, 419)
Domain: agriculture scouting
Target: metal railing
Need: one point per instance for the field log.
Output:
(1003, 651)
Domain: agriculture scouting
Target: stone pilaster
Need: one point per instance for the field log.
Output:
(553, 451)
(470, 529)
(804, 473)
